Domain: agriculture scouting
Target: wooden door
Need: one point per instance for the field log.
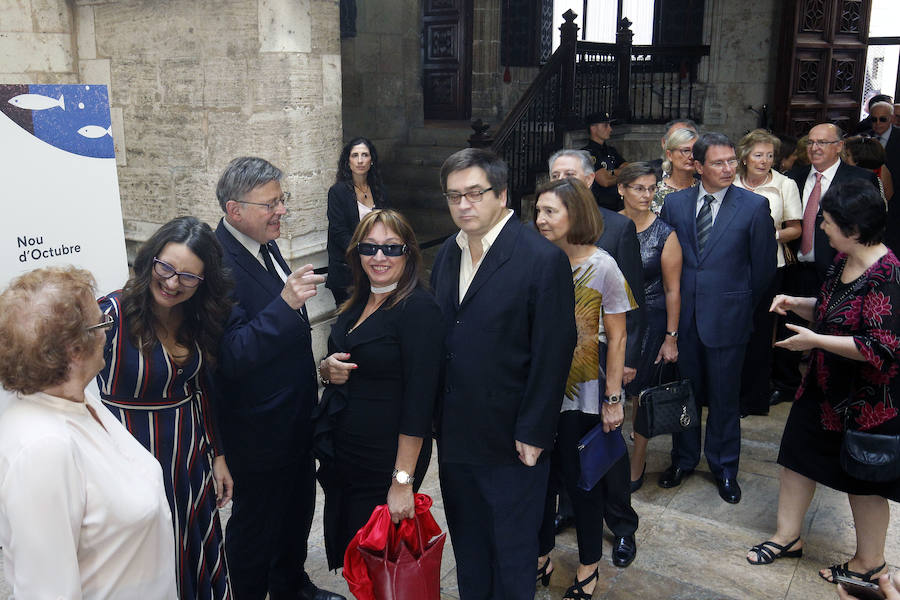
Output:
(822, 64)
(447, 59)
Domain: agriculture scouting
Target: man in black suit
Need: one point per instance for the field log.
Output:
(267, 391)
(888, 135)
(508, 301)
(814, 253)
(620, 240)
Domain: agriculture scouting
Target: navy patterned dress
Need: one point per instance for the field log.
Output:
(166, 408)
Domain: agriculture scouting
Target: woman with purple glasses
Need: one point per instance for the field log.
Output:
(159, 351)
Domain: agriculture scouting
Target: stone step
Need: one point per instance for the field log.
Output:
(454, 134)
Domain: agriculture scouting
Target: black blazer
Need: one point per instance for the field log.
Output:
(509, 346)
(620, 240)
(343, 217)
(394, 388)
(824, 253)
(266, 371)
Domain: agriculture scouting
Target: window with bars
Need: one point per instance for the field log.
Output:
(883, 55)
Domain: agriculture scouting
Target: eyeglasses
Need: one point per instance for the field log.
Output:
(270, 206)
(685, 152)
(720, 164)
(394, 250)
(471, 196)
(164, 270)
(822, 143)
(640, 189)
(882, 119)
(105, 324)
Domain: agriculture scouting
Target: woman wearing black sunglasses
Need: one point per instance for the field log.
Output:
(381, 381)
(162, 343)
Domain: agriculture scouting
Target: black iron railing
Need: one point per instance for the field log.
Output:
(635, 84)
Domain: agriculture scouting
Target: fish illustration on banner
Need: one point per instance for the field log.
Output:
(74, 118)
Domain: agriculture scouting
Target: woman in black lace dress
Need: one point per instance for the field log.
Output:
(661, 258)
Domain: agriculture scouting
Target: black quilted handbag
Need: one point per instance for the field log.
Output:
(668, 407)
(871, 456)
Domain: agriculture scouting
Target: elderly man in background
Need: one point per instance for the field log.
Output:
(268, 391)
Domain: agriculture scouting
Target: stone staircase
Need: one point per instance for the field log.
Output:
(413, 176)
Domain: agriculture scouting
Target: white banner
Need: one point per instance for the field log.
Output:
(60, 191)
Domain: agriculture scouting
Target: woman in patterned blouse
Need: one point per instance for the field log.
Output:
(851, 383)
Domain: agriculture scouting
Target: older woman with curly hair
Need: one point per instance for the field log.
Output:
(852, 383)
(160, 350)
(756, 173)
(357, 191)
(83, 511)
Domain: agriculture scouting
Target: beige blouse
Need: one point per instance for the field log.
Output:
(83, 511)
(784, 202)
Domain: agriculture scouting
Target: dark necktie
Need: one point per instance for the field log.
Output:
(704, 221)
(270, 266)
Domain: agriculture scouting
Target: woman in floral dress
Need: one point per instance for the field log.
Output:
(851, 383)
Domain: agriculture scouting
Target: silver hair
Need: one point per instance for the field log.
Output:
(587, 162)
(678, 137)
(243, 175)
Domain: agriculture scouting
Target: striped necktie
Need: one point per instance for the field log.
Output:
(704, 221)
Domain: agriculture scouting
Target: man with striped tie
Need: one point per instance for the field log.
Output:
(728, 245)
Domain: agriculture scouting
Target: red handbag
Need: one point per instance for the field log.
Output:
(384, 562)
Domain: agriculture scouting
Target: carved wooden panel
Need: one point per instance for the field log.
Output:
(446, 58)
(821, 64)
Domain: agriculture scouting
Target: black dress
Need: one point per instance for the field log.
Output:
(343, 217)
(393, 391)
(838, 391)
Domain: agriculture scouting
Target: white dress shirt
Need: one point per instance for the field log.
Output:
(83, 510)
(714, 206)
(252, 247)
(467, 270)
(827, 178)
(784, 202)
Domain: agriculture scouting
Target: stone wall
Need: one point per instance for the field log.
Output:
(382, 74)
(192, 84)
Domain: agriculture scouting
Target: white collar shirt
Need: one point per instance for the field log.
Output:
(252, 247)
(467, 270)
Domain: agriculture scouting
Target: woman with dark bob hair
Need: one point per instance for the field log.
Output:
(357, 190)
(83, 510)
(381, 381)
(852, 382)
(566, 215)
(160, 350)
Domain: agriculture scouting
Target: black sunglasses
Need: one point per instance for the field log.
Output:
(366, 249)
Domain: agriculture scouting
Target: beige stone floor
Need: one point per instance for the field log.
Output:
(691, 544)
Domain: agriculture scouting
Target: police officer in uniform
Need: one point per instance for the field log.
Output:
(607, 161)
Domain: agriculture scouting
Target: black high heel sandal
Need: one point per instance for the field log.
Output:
(576, 592)
(543, 575)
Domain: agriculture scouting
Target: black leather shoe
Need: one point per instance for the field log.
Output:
(779, 396)
(672, 476)
(624, 551)
(729, 490)
(311, 592)
(561, 522)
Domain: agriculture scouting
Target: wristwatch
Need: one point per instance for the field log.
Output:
(613, 399)
(673, 334)
(402, 477)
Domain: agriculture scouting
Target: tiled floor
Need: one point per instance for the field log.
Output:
(691, 545)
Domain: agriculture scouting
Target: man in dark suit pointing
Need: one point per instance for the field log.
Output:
(508, 301)
(267, 389)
